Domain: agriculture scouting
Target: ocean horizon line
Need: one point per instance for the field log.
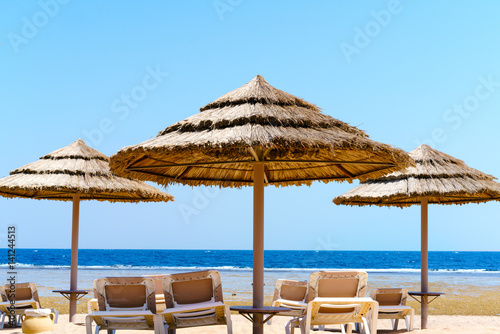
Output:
(250, 250)
(243, 269)
(242, 260)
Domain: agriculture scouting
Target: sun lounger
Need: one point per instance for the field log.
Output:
(23, 296)
(194, 299)
(125, 303)
(330, 311)
(291, 294)
(335, 284)
(392, 305)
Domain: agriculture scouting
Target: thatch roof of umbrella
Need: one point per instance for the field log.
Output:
(257, 135)
(73, 173)
(258, 122)
(76, 169)
(437, 176)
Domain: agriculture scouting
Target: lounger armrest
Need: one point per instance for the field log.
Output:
(290, 302)
(394, 308)
(5, 305)
(222, 312)
(365, 303)
(120, 314)
(403, 309)
(293, 305)
(343, 299)
(92, 306)
(192, 308)
(98, 316)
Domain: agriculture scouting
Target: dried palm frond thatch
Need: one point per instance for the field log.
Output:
(439, 177)
(257, 135)
(76, 169)
(73, 173)
(257, 122)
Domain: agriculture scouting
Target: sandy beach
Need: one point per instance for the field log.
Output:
(437, 324)
(470, 304)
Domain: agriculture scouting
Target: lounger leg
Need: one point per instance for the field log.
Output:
(88, 325)
(229, 322)
(305, 325)
(396, 322)
(158, 321)
(412, 314)
(287, 327)
(365, 326)
(373, 321)
(368, 320)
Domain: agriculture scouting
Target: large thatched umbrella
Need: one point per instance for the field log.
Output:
(73, 173)
(258, 135)
(437, 178)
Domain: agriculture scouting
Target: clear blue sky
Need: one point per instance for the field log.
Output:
(406, 72)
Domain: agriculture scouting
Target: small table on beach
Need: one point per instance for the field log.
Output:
(424, 302)
(68, 293)
(249, 312)
(424, 295)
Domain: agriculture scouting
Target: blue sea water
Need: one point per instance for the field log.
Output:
(49, 268)
(274, 260)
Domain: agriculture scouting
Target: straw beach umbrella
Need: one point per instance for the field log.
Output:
(258, 135)
(437, 178)
(73, 173)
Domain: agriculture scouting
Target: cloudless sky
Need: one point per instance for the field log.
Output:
(115, 73)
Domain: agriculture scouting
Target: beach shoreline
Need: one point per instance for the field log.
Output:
(465, 293)
(470, 303)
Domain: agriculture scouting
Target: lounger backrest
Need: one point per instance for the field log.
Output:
(336, 284)
(22, 291)
(192, 288)
(114, 293)
(192, 292)
(338, 288)
(290, 290)
(390, 297)
(125, 295)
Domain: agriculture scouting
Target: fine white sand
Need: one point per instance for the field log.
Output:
(436, 324)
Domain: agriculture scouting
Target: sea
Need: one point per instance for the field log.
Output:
(50, 268)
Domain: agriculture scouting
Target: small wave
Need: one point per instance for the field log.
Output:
(233, 268)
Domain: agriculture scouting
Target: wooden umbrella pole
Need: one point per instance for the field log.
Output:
(258, 245)
(74, 257)
(424, 260)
